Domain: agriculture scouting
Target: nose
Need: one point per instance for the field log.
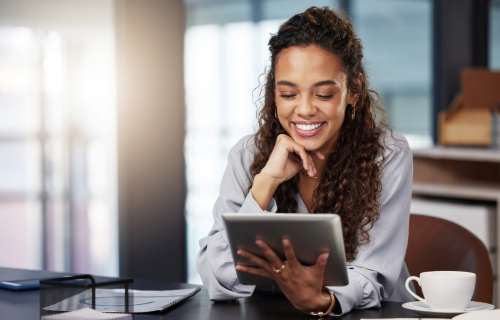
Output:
(305, 107)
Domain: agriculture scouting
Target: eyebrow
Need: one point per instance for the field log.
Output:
(317, 84)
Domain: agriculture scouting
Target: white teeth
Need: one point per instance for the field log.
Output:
(308, 127)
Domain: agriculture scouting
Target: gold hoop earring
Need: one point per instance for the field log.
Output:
(353, 111)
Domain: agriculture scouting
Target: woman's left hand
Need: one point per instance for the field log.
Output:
(302, 285)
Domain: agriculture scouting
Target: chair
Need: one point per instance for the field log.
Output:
(440, 245)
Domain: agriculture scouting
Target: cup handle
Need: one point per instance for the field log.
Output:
(413, 293)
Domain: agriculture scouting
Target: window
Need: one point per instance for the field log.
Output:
(57, 150)
(20, 174)
(398, 48)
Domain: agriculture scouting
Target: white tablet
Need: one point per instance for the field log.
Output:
(310, 235)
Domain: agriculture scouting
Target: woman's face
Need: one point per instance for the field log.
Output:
(311, 96)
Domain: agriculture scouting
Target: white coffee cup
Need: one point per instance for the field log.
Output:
(445, 290)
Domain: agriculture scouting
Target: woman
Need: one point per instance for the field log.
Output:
(319, 149)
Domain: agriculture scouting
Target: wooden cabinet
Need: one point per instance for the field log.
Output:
(461, 173)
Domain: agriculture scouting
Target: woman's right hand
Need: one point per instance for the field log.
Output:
(286, 160)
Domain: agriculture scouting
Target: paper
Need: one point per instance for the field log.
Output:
(114, 300)
(87, 314)
(416, 306)
(475, 315)
(480, 315)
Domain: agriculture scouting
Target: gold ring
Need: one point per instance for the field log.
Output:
(280, 269)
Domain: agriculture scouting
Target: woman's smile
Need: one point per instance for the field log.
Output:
(307, 129)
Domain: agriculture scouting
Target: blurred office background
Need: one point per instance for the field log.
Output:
(116, 117)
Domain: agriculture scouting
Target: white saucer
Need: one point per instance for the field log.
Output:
(422, 309)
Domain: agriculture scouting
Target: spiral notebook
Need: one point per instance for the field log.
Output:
(109, 300)
(88, 314)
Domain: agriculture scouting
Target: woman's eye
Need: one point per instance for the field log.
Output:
(324, 97)
(287, 95)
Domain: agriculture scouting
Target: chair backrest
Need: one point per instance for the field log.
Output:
(440, 245)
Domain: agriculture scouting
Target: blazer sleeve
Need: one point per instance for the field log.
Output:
(376, 269)
(214, 262)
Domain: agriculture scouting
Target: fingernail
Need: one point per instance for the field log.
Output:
(325, 257)
(259, 243)
(238, 268)
(286, 243)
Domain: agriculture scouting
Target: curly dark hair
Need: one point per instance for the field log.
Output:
(350, 183)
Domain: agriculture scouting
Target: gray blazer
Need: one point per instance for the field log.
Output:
(379, 271)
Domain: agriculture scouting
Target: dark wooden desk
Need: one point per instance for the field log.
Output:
(24, 305)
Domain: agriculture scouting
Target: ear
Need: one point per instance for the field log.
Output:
(353, 97)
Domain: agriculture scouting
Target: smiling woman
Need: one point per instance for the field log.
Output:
(321, 118)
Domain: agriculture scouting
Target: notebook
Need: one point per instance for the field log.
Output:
(88, 314)
(112, 300)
